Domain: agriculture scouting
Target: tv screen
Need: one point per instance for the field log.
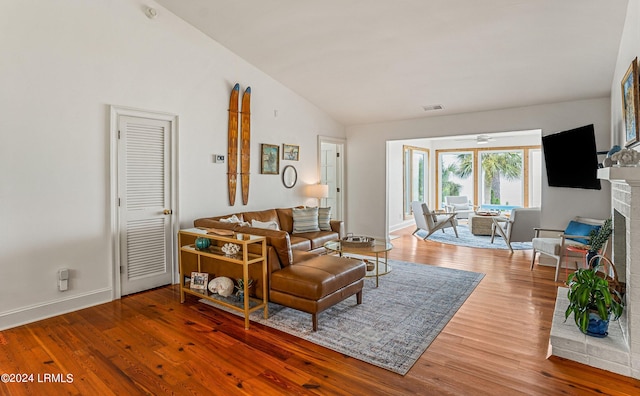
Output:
(571, 158)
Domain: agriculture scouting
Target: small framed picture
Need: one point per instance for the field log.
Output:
(630, 104)
(199, 280)
(270, 163)
(290, 152)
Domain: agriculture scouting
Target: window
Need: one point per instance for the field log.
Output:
(416, 166)
(503, 177)
(456, 175)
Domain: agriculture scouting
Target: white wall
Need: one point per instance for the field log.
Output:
(63, 63)
(629, 50)
(367, 146)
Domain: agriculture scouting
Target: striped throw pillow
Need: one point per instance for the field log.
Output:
(305, 220)
(324, 219)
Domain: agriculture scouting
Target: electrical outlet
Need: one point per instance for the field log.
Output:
(218, 159)
(63, 279)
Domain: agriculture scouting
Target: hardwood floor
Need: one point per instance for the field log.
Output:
(149, 343)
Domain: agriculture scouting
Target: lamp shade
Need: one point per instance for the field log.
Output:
(318, 190)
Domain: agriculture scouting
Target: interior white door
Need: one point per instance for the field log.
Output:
(331, 173)
(145, 214)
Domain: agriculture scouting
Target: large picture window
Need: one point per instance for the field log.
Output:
(494, 178)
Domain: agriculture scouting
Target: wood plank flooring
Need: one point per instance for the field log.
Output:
(149, 343)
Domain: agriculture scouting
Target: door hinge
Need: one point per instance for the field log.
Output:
(118, 201)
(118, 134)
(122, 269)
(338, 189)
(338, 155)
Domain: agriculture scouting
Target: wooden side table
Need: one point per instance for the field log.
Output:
(574, 249)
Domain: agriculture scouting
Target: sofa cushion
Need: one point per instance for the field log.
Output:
(324, 219)
(305, 220)
(210, 222)
(319, 238)
(269, 225)
(278, 239)
(553, 244)
(300, 243)
(576, 228)
(285, 216)
(262, 215)
(318, 277)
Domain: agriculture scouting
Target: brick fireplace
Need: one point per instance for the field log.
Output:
(620, 351)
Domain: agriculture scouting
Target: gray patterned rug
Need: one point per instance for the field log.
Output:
(395, 323)
(466, 238)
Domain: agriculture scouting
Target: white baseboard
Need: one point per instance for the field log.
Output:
(49, 309)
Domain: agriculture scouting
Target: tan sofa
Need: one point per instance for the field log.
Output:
(308, 241)
(299, 275)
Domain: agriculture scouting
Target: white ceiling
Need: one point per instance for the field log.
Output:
(365, 61)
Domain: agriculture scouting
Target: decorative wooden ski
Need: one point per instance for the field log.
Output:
(232, 150)
(245, 143)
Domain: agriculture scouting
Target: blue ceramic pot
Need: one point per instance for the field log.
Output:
(590, 255)
(202, 243)
(597, 327)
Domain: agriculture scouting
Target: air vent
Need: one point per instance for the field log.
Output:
(432, 107)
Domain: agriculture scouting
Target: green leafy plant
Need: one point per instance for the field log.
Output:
(598, 238)
(240, 286)
(589, 292)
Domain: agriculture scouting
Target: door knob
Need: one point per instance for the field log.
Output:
(167, 211)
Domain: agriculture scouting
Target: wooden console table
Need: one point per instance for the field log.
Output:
(253, 250)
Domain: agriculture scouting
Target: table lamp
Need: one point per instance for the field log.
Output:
(318, 191)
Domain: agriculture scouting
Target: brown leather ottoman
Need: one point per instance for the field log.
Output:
(316, 284)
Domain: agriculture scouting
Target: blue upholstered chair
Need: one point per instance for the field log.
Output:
(576, 234)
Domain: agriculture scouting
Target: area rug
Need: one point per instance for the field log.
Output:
(395, 323)
(466, 238)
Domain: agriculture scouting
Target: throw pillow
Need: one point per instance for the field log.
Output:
(324, 219)
(460, 207)
(576, 228)
(269, 225)
(305, 220)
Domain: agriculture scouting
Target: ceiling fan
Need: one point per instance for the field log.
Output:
(480, 139)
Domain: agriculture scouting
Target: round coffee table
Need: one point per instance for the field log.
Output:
(376, 250)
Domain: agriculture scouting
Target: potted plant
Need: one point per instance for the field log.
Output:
(240, 288)
(592, 302)
(597, 239)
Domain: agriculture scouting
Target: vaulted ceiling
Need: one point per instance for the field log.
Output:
(365, 61)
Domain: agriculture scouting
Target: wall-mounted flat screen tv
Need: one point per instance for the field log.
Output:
(571, 158)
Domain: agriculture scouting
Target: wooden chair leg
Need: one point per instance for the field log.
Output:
(314, 320)
(359, 297)
(533, 260)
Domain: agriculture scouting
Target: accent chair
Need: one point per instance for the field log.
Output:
(519, 227)
(432, 221)
(460, 205)
(575, 237)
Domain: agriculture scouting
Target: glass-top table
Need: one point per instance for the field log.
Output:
(380, 266)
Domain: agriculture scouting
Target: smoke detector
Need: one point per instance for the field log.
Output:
(432, 107)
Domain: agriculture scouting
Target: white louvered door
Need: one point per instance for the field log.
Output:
(144, 203)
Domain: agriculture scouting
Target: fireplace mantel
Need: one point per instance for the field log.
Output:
(622, 174)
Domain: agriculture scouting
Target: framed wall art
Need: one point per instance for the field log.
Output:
(630, 104)
(270, 161)
(290, 152)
